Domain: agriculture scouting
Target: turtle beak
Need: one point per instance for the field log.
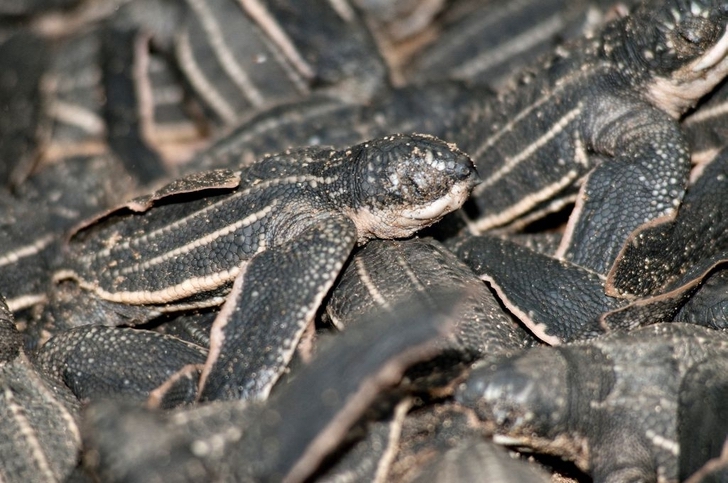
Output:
(465, 171)
(713, 56)
(475, 178)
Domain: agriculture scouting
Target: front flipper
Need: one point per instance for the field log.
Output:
(644, 182)
(557, 300)
(121, 48)
(654, 256)
(97, 362)
(272, 301)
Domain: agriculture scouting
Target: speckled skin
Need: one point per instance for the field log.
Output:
(282, 227)
(610, 405)
(558, 301)
(241, 57)
(38, 419)
(665, 256)
(244, 441)
(385, 272)
(110, 362)
(709, 304)
(605, 106)
(36, 217)
(321, 119)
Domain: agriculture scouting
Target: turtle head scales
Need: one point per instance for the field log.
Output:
(403, 183)
(683, 45)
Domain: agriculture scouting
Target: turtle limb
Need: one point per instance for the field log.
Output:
(709, 304)
(610, 404)
(121, 48)
(644, 183)
(386, 272)
(253, 339)
(655, 256)
(222, 440)
(558, 300)
(691, 298)
(101, 362)
(41, 440)
(702, 415)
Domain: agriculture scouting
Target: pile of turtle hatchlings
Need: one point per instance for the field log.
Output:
(365, 240)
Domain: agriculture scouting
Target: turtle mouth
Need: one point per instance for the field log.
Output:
(713, 56)
(687, 85)
(440, 207)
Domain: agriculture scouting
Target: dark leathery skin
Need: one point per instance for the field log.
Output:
(558, 301)
(37, 217)
(293, 216)
(475, 457)
(222, 440)
(38, 418)
(326, 120)
(602, 98)
(121, 106)
(610, 404)
(709, 304)
(253, 55)
(11, 340)
(385, 272)
(702, 416)
(446, 442)
(488, 43)
(369, 458)
(657, 256)
(24, 57)
(108, 362)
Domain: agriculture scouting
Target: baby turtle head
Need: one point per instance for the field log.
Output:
(403, 183)
(684, 46)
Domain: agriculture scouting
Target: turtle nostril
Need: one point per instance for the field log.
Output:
(463, 169)
(469, 173)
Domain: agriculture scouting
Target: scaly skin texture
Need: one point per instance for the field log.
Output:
(41, 440)
(222, 441)
(605, 106)
(282, 228)
(610, 405)
(386, 272)
(113, 362)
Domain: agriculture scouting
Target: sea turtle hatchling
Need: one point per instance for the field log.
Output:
(601, 113)
(281, 229)
(636, 406)
(221, 441)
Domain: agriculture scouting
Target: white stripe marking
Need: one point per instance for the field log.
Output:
(310, 180)
(520, 43)
(197, 78)
(187, 288)
(511, 163)
(227, 59)
(707, 113)
(78, 116)
(265, 20)
(205, 240)
(25, 301)
(371, 287)
(37, 246)
(488, 222)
